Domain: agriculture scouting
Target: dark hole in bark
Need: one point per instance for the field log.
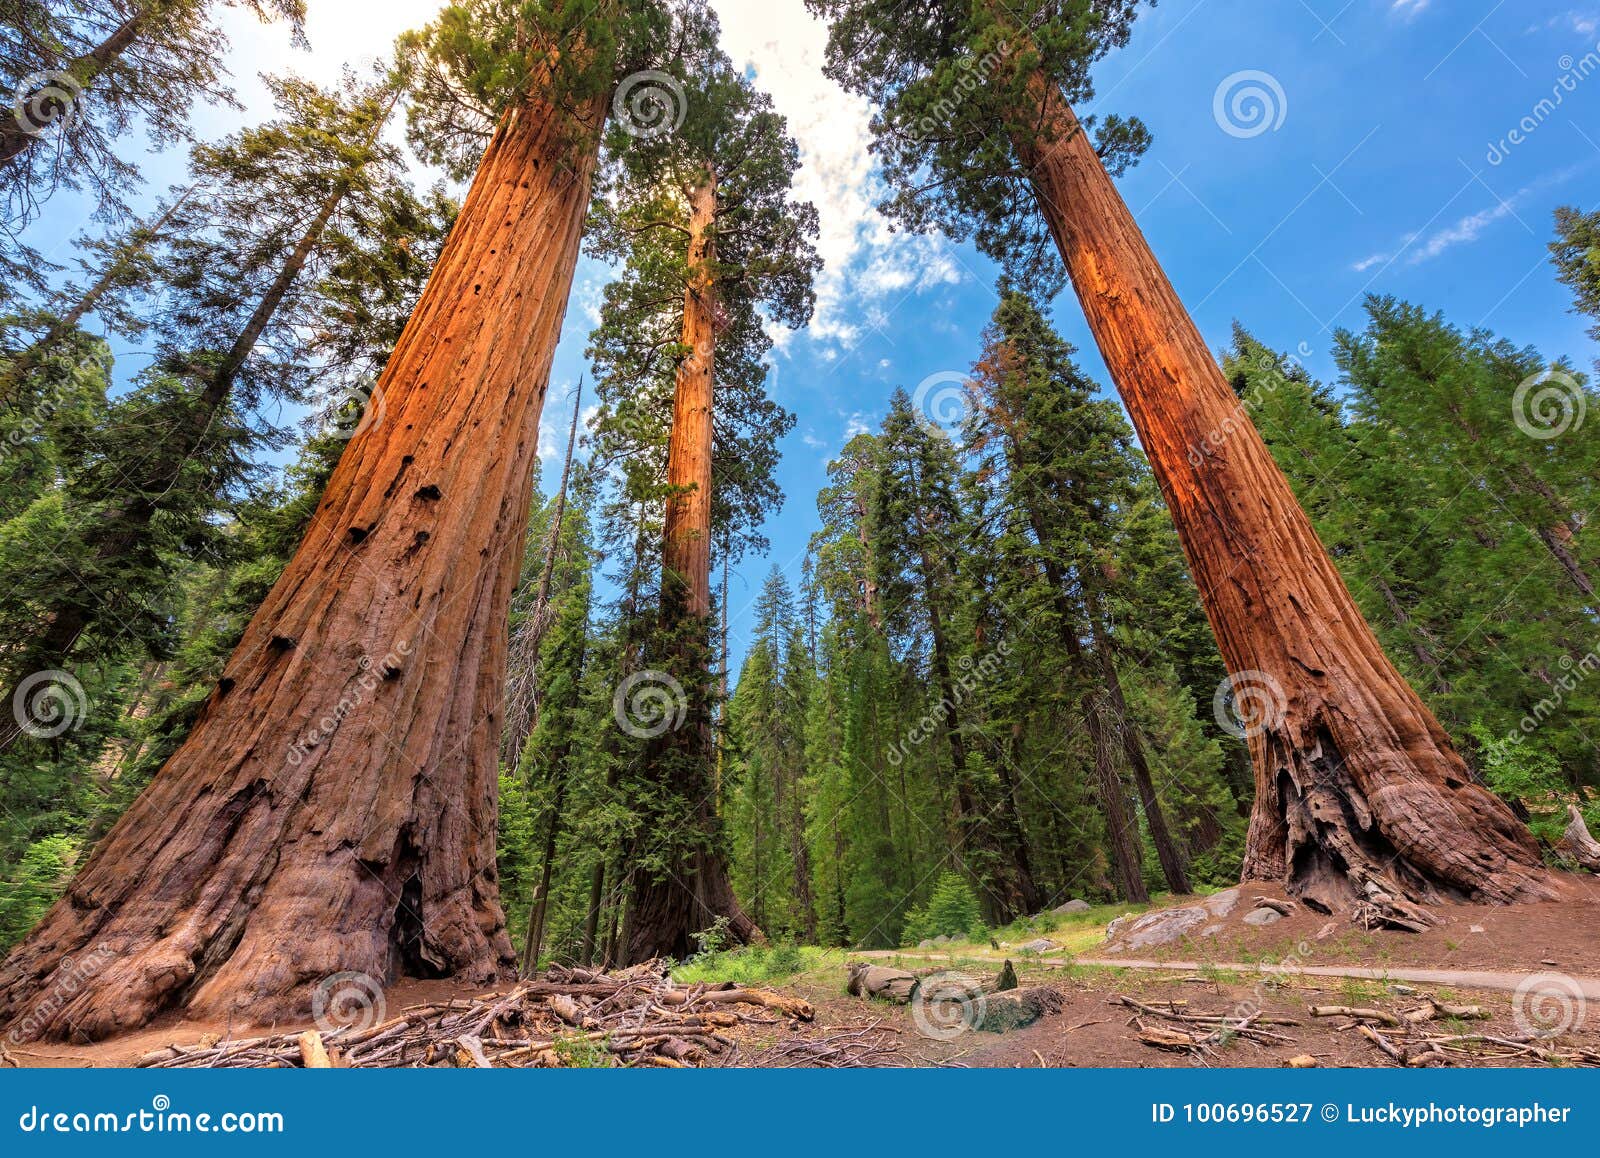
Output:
(284, 643)
(429, 493)
(357, 534)
(224, 686)
(412, 956)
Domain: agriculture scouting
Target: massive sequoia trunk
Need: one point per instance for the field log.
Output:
(333, 809)
(666, 909)
(1356, 782)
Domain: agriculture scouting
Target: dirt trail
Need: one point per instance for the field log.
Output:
(1588, 987)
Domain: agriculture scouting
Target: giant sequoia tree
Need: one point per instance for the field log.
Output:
(333, 808)
(712, 245)
(1358, 787)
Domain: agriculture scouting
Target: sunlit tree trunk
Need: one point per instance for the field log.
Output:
(333, 809)
(1357, 785)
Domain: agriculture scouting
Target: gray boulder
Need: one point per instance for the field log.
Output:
(1263, 917)
(1073, 906)
(1158, 928)
(1041, 945)
(1223, 903)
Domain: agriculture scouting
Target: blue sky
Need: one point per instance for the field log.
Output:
(1382, 161)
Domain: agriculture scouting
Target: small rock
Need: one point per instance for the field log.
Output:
(1263, 917)
(1211, 930)
(925, 943)
(941, 939)
(1327, 930)
(1549, 961)
(1042, 945)
(1073, 906)
(1403, 990)
(1475, 929)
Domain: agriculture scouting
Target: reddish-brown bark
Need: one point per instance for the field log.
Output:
(1356, 782)
(666, 910)
(273, 851)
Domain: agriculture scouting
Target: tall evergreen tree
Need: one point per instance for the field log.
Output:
(416, 549)
(1006, 159)
(711, 244)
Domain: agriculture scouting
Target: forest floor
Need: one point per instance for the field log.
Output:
(1477, 955)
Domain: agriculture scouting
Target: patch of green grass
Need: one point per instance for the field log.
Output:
(1360, 990)
(757, 965)
(579, 1052)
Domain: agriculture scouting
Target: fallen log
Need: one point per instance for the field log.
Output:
(1355, 1014)
(313, 1054)
(901, 986)
(898, 985)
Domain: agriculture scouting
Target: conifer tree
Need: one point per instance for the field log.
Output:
(410, 563)
(978, 137)
(711, 244)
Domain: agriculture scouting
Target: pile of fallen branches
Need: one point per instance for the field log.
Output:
(638, 1017)
(1408, 1039)
(1199, 1033)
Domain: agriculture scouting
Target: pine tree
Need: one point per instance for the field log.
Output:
(84, 74)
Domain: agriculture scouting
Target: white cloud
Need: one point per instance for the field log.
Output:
(865, 263)
(1465, 231)
(1409, 9)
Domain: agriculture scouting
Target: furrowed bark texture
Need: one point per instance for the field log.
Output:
(666, 910)
(1356, 782)
(333, 809)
